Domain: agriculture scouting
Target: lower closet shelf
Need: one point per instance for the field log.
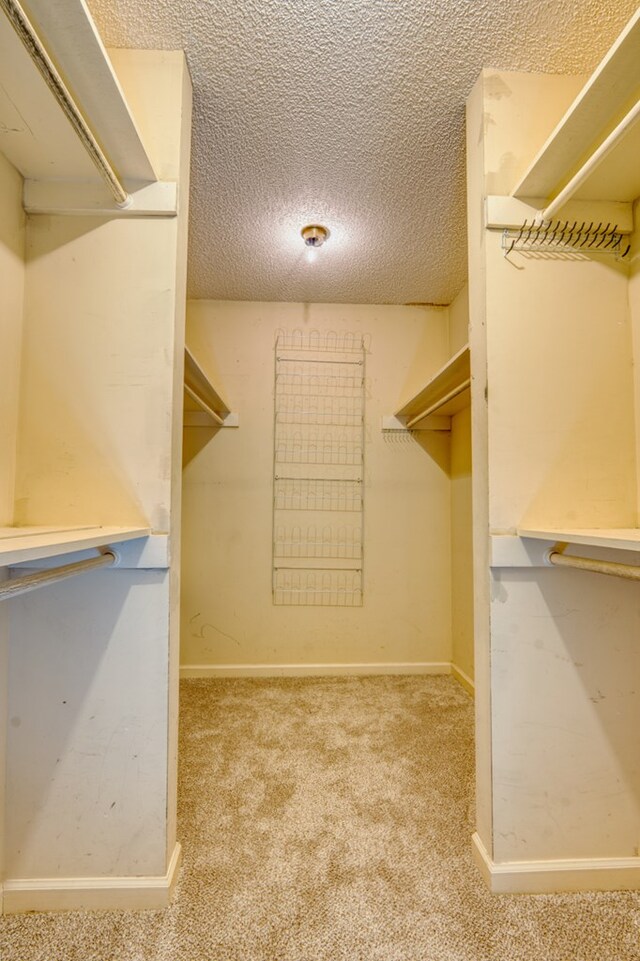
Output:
(620, 538)
(21, 544)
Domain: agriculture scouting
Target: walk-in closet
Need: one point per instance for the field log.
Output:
(381, 530)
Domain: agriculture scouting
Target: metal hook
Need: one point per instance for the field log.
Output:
(587, 234)
(547, 228)
(505, 237)
(562, 230)
(595, 234)
(579, 233)
(571, 232)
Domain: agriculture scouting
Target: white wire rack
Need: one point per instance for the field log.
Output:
(317, 494)
(312, 409)
(328, 449)
(315, 586)
(306, 377)
(312, 541)
(318, 467)
(325, 341)
(553, 238)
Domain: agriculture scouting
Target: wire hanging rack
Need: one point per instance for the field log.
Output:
(562, 237)
(318, 468)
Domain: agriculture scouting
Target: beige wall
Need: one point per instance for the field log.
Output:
(459, 321)
(461, 544)
(634, 309)
(12, 252)
(461, 507)
(228, 615)
(12, 240)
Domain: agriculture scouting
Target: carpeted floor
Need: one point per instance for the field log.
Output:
(329, 820)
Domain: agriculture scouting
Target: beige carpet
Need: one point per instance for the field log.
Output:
(329, 820)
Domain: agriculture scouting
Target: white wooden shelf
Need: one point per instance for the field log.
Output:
(623, 538)
(20, 544)
(203, 405)
(59, 167)
(592, 128)
(446, 393)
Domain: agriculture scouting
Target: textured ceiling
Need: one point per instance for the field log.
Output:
(349, 113)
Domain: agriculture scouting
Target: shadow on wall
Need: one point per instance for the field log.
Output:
(437, 445)
(72, 463)
(195, 439)
(71, 764)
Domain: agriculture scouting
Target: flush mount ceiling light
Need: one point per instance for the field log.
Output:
(314, 235)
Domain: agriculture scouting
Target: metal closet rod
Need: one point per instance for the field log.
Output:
(31, 582)
(33, 45)
(438, 404)
(627, 571)
(594, 160)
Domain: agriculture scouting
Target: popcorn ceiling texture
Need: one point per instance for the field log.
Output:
(346, 112)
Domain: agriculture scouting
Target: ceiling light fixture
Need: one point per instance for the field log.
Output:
(314, 235)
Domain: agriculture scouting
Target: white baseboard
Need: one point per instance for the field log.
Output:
(463, 679)
(555, 877)
(311, 670)
(91, 894)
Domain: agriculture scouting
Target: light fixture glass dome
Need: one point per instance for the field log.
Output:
(314, 235)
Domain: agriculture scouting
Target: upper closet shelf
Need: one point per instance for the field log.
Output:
(446, 393)
(203, 405)
(64, 119)
(592, 155)
(623, 538)
(20, 544)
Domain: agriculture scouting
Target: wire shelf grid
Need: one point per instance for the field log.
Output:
(327, 542)
(328, 450)
(311, 380)
(319, 422)
(317, 410)
(314, 587)
(331, 341)
(317, 494)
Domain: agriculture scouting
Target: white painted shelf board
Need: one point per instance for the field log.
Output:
(19, 544)
(622, 538)
(606, 98)
(451, 376)
(35, 134)
(199, 393)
